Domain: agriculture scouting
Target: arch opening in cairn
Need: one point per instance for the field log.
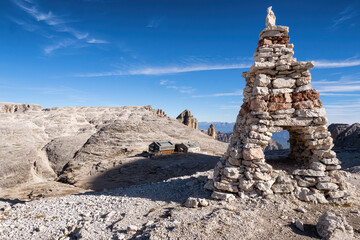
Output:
(278, 95)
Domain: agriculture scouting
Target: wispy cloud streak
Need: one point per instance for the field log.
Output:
(236, 93)
(55, 23)
(344, 16)
(165, 70)
(350, 62)
(154, 23)
(345, 85)
(337, 64)
(172, 85)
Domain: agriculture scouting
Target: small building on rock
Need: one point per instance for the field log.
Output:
(162, 147)
(189, 147)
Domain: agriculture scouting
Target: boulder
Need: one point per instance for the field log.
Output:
(334, 227)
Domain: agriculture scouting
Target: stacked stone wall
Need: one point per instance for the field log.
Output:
(278, 95)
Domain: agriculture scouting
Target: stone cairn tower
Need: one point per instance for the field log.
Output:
(278, 95)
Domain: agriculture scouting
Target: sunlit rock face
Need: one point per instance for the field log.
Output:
(188, 119)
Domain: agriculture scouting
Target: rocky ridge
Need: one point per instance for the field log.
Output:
(212, 131)
(345, 135)
(188, 119)
(37, 145)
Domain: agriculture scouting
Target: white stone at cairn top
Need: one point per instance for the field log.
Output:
(270, 18)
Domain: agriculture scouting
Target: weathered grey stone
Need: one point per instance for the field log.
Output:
(306, 182)
(333, 167)
(231, 172)
(330, 161)
(253, 153)
(262, 80)
(337, 194)
(223, 196)
(260, 91)
(309, 172)
(318, 166)
(262, 176)
(203, 202)
(246, 185)
(299, 225)
(282, 187)
(327, 186)
(225, 187)
(283, 83)
(334, 227)
(191, 203)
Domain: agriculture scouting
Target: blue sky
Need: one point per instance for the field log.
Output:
(173, 54)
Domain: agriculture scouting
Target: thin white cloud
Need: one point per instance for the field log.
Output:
(51, 48)
(154, 23)
(172, 85)
(229, 107)
(345, 85)
(236, 93)
(340, 94)
(343, 111)
(165, 70)
(336, 64)
(350, 62)
(54, 23)
(336, 88)
(166, 82)
(93, 40)
(344, 16)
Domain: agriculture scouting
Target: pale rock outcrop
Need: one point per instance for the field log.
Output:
(76, 142)
(212, 131)
(18, 107)
(334, 227)
(188, 119)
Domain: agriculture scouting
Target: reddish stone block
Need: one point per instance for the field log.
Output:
(303, 105)
(267, 41)
(311, 95)
(257, 105)
(274, 40)
(297, 97)
(245, 109)
(317, 103)
(277, 98)
(272, 106)
(305, 95)
(250, 154)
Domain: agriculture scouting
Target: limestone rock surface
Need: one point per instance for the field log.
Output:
(188, 119)
(212, 131)
(75, 142)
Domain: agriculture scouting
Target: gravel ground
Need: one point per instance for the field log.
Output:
(156, 211)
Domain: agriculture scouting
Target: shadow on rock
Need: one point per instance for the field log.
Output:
(152, 174)
(309, 231)
(175, 190)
